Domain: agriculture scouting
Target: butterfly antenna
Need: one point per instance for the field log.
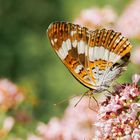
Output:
(80, 99)
(65, 100)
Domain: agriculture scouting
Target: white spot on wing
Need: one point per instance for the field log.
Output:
(106, 55)
(64, 47)
(114, 57)
(86, 77)
(55, 40)
(81, 47)
(63, 51)
(68, 44)
(117, 57)
(72, 33)
(61, 54)
(86, 49)
(95, 53)
(52, 41)
(99, 52)
(78, 68)
(91, 54)
(74, 43)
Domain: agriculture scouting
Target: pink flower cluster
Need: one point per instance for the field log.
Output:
(119, 114)
(10, 94)
(77, 124)
(6, 127)
(129, 21)
(96, 18)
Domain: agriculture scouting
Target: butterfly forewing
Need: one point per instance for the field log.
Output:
(95, 58)
(71, 44)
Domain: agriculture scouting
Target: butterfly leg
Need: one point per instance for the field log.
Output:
(90, 105)
(90, 95)
(80, 99)
(95, 101)
(108, 92)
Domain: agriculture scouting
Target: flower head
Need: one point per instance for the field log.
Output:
(129, 22)
(96, 18)
(10, 94)
(76, 124)
(118, 116)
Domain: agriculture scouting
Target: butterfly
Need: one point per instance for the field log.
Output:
(95, 58)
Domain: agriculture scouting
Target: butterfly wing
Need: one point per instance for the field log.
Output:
(70, 42)
(95, 58)
(109, 56)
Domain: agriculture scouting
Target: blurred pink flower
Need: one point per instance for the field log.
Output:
(6, 127)
(96, 18)
(34, 137)
(129, 21)
(10, 94)
(8, 123)
(118, 116)
(135, 58)
(77, 123)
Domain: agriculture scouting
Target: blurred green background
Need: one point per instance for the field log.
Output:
(27, 58)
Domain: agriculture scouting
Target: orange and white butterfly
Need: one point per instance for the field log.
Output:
(95, 58)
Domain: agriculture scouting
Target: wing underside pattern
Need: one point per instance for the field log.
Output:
(95, 58)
